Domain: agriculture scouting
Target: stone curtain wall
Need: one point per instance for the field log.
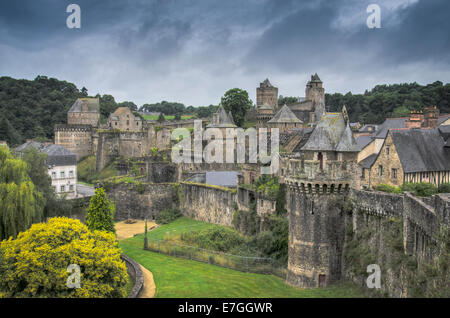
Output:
(76, 138)
(333, 236)
(383, 219)
(137, 201)
(134, 270)
(207, 203)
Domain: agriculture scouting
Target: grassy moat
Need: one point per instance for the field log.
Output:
(183, 278)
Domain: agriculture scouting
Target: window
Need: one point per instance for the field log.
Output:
(71, 187)
(320, 158)
(115, 123)
(61, 174)
(63, 188)
(380, 170)
(128, 123)
(387, 150)
(53, 175)
(71, 173)
(394, 173)
(363, 173)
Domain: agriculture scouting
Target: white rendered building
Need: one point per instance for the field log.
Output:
(62, 167)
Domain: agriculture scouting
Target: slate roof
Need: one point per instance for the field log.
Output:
(265, 106)
(443, 118)
(28, 145)
(347, 141)
(93, 105)
(315, 78)
(363, 141)
(445, 131)
(421, 150)
(266, 83)
(368, 162)
(59, 156)
(56, 155)
(327, 134)
(224, 120)
(285, 115)
(388, 124)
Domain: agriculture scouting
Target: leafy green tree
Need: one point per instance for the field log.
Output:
(107, 106)
(288, 100)
(8, 132)
(128, 104)
(100, 214)
(21, 204)
(237, 101)
(35, 263)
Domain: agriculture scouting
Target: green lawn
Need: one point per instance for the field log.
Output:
(178, 277)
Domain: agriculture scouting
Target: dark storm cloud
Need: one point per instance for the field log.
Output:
(193, 50)
(307, 38)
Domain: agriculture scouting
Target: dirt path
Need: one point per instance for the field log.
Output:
(124, 231)
(149, 284)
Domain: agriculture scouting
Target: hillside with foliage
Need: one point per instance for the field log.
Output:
(385, 101)
(395, 100)
(31, 108)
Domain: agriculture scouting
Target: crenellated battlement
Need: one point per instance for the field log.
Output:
(73, 128)
(317, 187)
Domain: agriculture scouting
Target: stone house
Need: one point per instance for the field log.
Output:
(124, 119)
(409, 155)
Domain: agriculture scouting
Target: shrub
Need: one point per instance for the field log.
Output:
(444, 188)
(168, 215)
(388, 188)
(100, 214)
(422, 189)
(35, 264)
(220, 239)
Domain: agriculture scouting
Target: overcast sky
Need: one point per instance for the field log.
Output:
(192, 51)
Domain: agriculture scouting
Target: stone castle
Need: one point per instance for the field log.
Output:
(306, 111)
(324, 198)
(124, 135)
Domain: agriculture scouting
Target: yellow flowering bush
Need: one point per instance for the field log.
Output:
(35, 263)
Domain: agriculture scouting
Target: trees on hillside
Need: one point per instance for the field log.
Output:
(21, 202)
(395, 100)
(237, 101)
(100, 214)
(288, 100)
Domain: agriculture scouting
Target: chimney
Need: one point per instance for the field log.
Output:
(431, 115)
(415, 119)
